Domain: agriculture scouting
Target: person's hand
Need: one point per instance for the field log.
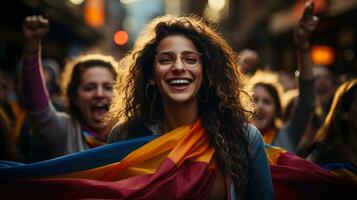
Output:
(305, 27)
(34, 30)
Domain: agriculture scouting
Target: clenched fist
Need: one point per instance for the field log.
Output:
(34, 30)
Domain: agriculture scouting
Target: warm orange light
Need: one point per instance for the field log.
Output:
(94, 13)
(121, 37)
(322, 55)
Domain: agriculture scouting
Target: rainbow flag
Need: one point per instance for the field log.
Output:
(297, 178)
(177, 165)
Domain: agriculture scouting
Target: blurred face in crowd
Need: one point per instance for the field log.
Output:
(177, 70)
(266, 107)
(94, 95)
(323, 80)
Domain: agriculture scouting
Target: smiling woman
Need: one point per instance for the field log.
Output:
(177, 79)
(87, 85)
(183, 81)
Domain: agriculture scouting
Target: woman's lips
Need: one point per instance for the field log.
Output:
(179, 84)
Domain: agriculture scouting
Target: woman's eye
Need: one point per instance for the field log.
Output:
(190, 60)
(267, 101)
(88, 88)
(165, 60)
(108, 87)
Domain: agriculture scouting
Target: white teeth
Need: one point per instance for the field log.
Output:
(179, 81)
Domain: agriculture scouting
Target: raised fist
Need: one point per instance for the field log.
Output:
(34, 29)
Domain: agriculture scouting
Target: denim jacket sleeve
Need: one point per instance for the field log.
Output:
(259, 179)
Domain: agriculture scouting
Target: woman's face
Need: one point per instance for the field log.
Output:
(266, 106)
(177, 70)
(94, 95)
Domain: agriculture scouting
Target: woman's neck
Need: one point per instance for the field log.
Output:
(178, 114)
(103, 131)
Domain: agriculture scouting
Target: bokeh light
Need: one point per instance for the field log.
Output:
(121, 37)
(76, 2)
(216, 5)
(322, 55)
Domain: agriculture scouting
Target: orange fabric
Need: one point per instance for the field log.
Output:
(269, 135)
(18, 122)
(184, 143)
(14, 125)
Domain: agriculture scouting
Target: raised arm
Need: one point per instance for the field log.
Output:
(33, 84)
(294, 128)
(302, 33)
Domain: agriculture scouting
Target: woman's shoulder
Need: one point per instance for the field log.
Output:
(117, 133)
(253, 133)
(255, 139)
(124, 131)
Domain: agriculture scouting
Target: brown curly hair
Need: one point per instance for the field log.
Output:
(222, 112)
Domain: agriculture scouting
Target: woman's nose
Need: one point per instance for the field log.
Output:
(99, 92)
(179, 65)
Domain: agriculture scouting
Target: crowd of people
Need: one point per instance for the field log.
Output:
(181, 74)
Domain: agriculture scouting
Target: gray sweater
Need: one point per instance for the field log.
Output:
(61, 133)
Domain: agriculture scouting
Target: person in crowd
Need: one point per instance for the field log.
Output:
(87, 86)
(248, 58)
(183, 73)
(324, 91)
(12, 113)
(336, 140)
(8, 149)
(267, 98)
(52, 76)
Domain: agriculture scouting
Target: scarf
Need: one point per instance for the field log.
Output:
(92, 138)
(269, 135)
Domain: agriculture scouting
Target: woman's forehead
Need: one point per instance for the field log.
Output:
(176, 44)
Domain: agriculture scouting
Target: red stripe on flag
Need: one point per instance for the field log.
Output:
(296, 178)
(193, 180)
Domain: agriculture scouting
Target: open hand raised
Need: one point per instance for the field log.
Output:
(306, 25)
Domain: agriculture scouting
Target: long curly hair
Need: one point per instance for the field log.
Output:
(332, 137)
(220, 102)
(71, 77)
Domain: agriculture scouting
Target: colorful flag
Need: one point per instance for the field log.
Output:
(177, 165)
(297, 178)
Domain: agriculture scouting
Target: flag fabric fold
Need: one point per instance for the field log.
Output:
(177, 165)
(296, 178)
